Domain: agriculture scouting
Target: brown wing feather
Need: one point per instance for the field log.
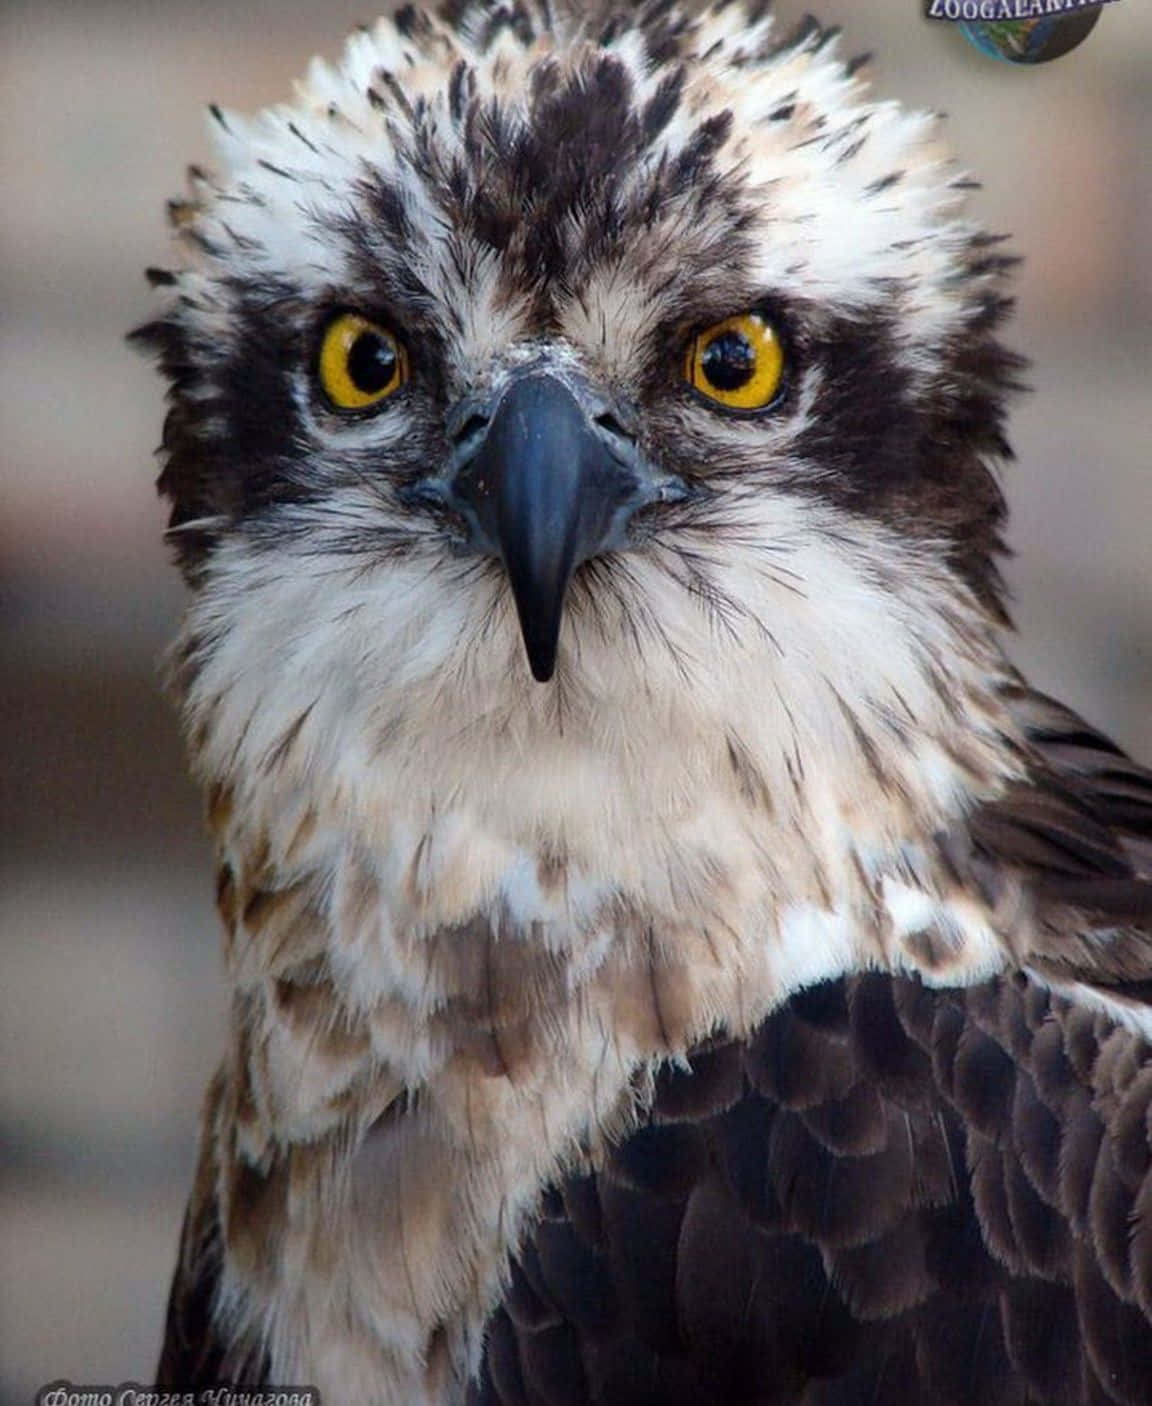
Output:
(891, 1194)
(193, 1355)
(196, 1353)
(1078, 834)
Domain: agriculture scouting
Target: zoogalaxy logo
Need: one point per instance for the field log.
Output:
(1021, 31)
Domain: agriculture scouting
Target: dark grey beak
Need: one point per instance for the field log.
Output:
(547, 480)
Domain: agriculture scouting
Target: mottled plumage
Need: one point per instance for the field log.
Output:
(675, 956)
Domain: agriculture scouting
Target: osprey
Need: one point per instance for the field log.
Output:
(675, 957)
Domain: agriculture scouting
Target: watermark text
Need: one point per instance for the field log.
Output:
(64, 1393)
(1008, 9)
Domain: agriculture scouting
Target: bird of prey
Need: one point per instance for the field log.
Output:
(675, 957)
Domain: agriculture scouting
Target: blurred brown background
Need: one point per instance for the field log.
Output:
(110, 999)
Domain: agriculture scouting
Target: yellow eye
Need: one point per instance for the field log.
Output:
(738, 363)
(360, 362)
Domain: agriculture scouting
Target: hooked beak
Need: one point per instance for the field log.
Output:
(547, 480)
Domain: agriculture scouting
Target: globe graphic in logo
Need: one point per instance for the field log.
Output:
(1031, 41)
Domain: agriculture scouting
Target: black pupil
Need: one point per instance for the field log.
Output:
(371, 363)
(729, 361)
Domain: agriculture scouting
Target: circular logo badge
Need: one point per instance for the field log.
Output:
(1031, 41)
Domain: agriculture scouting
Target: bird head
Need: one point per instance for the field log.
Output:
(527, 363)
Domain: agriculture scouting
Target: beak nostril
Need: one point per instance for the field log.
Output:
(472, 426)
(469, 435)
(611, 423)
